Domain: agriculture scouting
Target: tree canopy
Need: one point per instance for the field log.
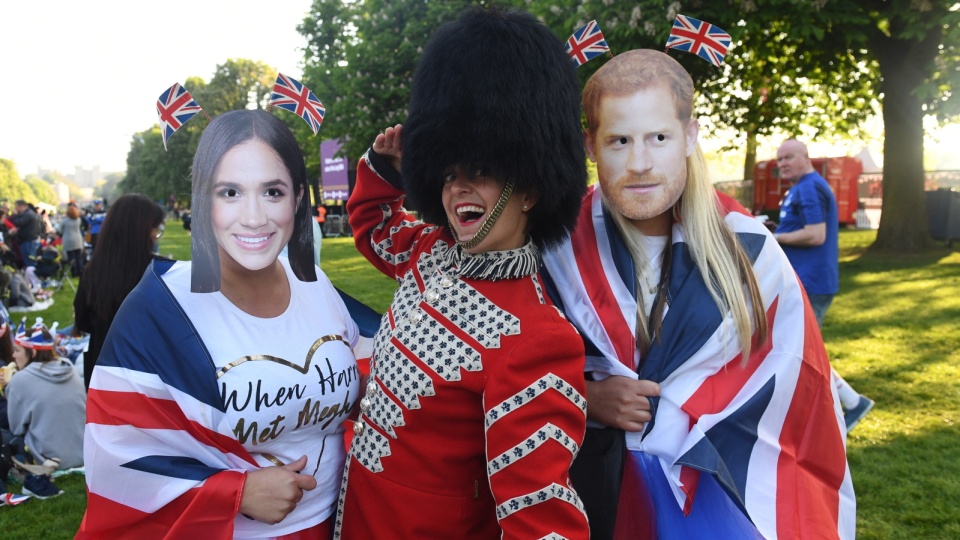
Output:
(360, 59)
(916, 44)
(42, 190)
(12, 187)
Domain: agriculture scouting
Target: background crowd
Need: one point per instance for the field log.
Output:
(45, 370)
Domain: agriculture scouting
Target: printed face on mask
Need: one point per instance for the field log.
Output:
(253, 206)
(641, 149)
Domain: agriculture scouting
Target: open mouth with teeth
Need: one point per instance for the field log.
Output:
(468, 214)
(469, 218)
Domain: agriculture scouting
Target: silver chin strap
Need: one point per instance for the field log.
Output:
(490, 221)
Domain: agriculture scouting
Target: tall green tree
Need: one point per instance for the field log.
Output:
(12, 187)
(236, 84)
(156, 172)
(916, 44)
(360, 59)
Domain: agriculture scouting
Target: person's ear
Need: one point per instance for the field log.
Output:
(528, 201)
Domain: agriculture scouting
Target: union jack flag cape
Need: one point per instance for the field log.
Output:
(700, 38)
(586, 43)
(175, 106)
(161, 460)
(768, 433)
(290, 94)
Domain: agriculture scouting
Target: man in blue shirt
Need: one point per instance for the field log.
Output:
(808, 229)
(94, 221)
(809, 234)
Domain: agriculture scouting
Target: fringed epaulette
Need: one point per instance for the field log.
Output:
(494, 265)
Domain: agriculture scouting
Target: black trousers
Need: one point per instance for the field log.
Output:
(596, 474)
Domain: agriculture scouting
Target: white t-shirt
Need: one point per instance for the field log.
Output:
(653, 247)
(288, 383)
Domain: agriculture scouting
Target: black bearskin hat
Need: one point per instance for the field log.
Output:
(495, 90)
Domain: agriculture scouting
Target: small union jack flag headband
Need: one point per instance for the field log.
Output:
(700, 38)
(292, 95)
(34, 339)
(175, 106)
(586, 44)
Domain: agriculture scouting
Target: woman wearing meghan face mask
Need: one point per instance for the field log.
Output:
(226, 379)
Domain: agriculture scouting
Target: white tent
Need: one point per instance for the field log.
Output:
(869, 165)
(51, 209)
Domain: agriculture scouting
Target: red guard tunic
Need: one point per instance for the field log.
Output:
(476, 402)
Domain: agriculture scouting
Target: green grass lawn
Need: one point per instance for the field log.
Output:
(892, 332)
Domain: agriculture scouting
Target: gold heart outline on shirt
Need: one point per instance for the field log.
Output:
(303, 370)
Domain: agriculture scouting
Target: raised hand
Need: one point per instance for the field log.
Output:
(388, 145)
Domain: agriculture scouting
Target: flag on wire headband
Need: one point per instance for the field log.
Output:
(700, 38)
(175, 107)
(586, 43)
(290, 94)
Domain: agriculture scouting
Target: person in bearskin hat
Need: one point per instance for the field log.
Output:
(475, 405)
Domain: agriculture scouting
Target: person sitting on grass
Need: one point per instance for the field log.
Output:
(46, 402)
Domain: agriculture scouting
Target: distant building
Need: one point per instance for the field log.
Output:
(63, 192)
(86, 177)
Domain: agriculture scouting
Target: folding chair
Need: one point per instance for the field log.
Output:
(51, 265)
(63, 274)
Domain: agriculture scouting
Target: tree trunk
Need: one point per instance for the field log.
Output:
(904, 227)
(750, 160)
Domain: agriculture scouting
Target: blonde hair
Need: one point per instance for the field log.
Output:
(713, 246)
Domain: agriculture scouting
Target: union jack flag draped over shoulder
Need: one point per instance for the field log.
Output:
(767, 429)
(700, 38)
(175, 106)
(290, 94)
(161, 460)
(586, 43)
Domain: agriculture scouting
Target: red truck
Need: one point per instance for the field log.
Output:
(842, 173)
